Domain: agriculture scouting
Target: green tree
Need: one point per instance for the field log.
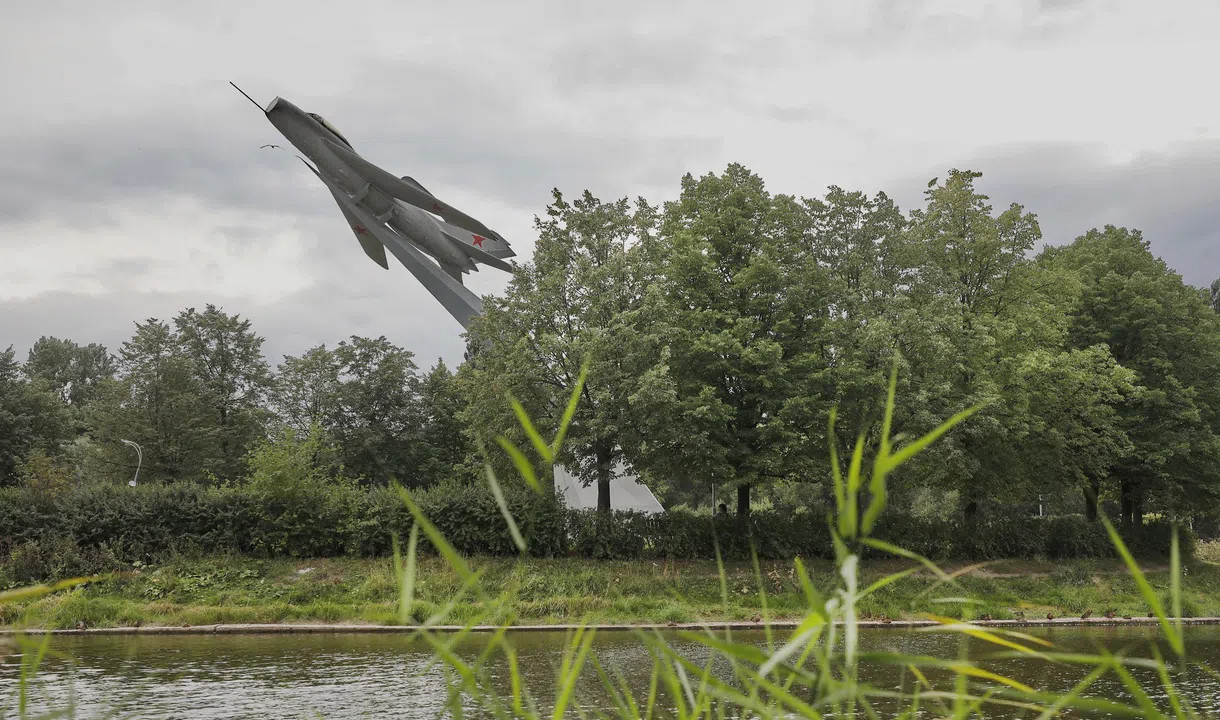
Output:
(73, 371)
(1076, 434)
(989, 305)
(305, 391)
(444, 443)
(863, 247)
(160, 403)
(377, 417)
(734, 322)
(31, 418)
(227, 359)
(570, 304)
(1164, 331)
(1214, 295)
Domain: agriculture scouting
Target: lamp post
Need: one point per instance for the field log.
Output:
(139, 460)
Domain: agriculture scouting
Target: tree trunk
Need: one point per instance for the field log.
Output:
(603, 480)
(743, 501)
(1137, 507)
(1126, 492)
(1090, 499)
(971, 510)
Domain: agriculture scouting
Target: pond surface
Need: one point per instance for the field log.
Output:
(366, 675)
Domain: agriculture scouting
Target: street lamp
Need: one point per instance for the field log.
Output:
(139, 460)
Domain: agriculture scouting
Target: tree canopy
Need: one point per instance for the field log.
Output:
(719, 331)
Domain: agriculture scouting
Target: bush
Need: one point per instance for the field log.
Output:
(36, 560)
(94, 528)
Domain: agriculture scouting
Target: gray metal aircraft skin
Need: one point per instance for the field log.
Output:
(372, 199)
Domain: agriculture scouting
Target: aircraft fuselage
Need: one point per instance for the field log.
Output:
(309, 135)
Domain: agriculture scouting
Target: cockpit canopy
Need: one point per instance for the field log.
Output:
(330, 127)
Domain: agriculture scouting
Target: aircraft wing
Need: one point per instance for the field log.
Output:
(409, 192)
(371, 246)
(463, 304)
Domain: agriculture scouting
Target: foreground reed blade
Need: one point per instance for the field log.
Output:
(819, 669)
(813, 671)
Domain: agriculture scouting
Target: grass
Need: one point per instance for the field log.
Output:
(814, 673)
(235, 589)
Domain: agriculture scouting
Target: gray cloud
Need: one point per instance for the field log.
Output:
(888, 24)
(453, 128)
(75, 171)
(1169, 196)
(327, 312)
(126, 110)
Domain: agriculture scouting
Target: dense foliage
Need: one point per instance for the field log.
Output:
(719, 330)
(95, 528)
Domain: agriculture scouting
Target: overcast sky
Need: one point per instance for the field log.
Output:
(132, 184)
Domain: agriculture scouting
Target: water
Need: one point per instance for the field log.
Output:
(355, 675)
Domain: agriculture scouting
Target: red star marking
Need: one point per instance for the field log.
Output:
(360, 229)
(478, 240)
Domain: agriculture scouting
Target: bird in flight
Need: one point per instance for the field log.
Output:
(269, 146)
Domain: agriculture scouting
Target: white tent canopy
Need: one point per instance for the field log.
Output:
(626, 492)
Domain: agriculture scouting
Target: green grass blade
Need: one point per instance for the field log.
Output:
(902, 552)
(1149, 709)
(569, 674)
(455, 560)
(30, 663)
(909, 450)
(1065, 700)
(1172, 632)
(544, 450)
(570, 411)
(504, 511)
(524, 466)
(406, 587)
(653, 683)
(762, 598)
(1175, 581)
(835, 470)
(849, 519)
(876, 485)
(892, 577)
(35, 591)
(814, 599)
(1167, 685)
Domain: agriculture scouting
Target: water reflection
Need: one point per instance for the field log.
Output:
(352, 676)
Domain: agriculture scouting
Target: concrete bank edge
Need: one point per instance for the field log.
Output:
(307, 628)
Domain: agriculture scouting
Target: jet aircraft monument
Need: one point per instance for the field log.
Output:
(398, 214)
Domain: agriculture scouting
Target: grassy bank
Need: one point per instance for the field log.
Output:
(236, 589)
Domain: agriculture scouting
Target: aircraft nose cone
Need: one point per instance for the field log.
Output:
(275, 101)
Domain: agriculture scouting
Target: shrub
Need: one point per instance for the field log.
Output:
(96, 526)
(36, 560)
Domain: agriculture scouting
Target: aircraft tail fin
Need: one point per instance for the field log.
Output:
(477, 247)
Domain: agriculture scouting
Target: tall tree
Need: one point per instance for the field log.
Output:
(377, 417)
(991, 305)
(1164, 331)
(228, 361)
(73, 371)
(862, 247)
(160, 403)
(305, 391)
(1076, 434)
(31, 418)
(1215, 295)
(568, 305)
(736, 314)
(444, 442)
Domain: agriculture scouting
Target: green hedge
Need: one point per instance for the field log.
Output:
(90, 526)
(144, 522)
